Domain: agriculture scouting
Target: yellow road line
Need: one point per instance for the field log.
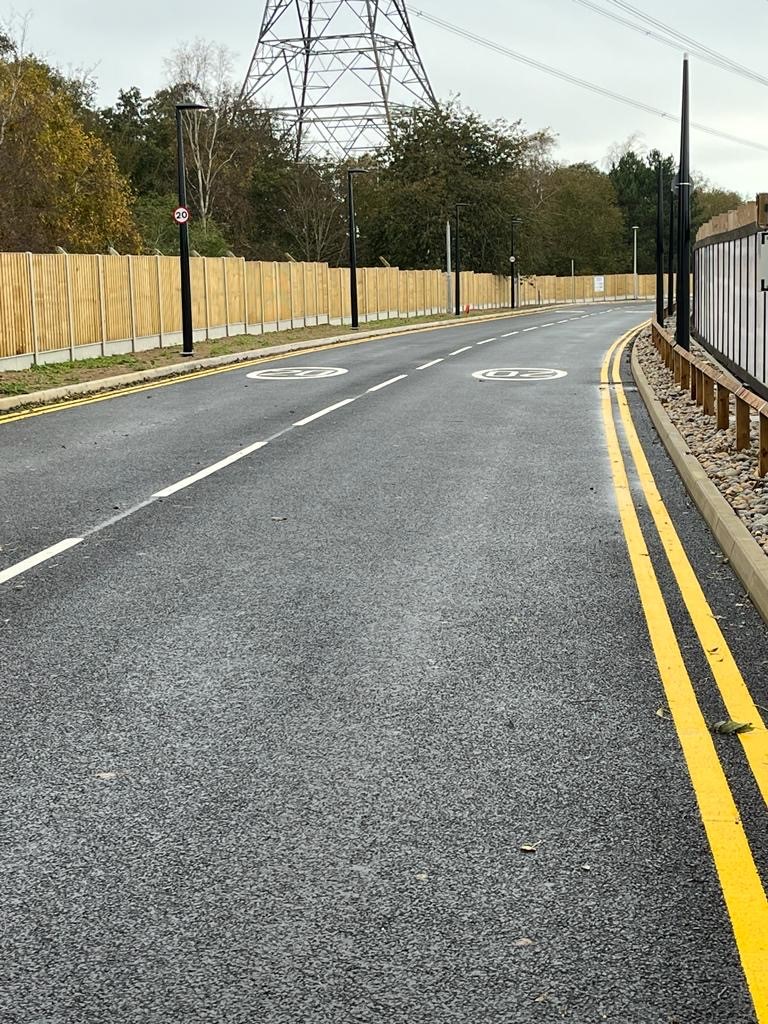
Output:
(132, 389)
(738, 700)
(742, 888)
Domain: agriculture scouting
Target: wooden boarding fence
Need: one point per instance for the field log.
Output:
(711, 388)
(56, 307)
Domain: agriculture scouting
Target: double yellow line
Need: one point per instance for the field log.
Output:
(740, 881)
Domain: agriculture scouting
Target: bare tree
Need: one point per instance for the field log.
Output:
(204, 71)
(634, 143)
(313, 215)
(13, 66)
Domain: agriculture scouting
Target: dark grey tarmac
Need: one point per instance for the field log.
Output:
(272, 747)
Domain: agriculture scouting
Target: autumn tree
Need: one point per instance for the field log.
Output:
(59, 183)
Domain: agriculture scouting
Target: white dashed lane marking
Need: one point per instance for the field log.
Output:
(189, 480)
(392, 380)
(38, 559)
(323, 412)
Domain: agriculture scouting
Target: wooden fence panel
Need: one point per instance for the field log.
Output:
(146, 303)
(116, 297)
(170, 293)
(235, 275)
(284, 290)
(216, 306)
(70, 301)
(17, 336)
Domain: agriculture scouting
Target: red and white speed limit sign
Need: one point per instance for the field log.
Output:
(181, 215)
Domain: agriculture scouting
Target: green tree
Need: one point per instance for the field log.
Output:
(581, 222)
(635, 180)
(436, 159)
(59, 183)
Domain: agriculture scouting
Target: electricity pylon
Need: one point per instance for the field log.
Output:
(337, 72)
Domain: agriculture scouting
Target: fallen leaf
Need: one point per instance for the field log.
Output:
(519, 943)
(586, 867)
(279, 519)
(422, 876)
(663, 712)
(729, 728)
(542, 998)
(106, 775)
(529, 847)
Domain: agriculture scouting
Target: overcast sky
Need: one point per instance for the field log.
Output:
(126, 44)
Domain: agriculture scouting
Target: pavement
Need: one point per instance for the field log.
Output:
(362, 725)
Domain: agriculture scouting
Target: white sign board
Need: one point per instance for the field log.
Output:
(762, 260)
(599, 285)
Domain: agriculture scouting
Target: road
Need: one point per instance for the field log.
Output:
(341, 705)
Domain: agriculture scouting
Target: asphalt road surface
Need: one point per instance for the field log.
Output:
(362, 725)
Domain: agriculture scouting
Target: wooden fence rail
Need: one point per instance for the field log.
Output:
(55, 307)
(711, 388)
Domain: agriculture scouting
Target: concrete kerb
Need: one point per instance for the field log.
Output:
(125, 380)
(749, 561)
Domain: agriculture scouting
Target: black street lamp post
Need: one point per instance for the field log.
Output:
(660, 246)
(513, 263)
(183, 222)
(683, 321)
(671, 257)
(353, 303)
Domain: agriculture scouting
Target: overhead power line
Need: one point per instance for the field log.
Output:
(669, 36)
(582, 83)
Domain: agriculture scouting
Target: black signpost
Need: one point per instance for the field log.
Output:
(181, 217)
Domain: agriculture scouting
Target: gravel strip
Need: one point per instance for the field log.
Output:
(733, 473)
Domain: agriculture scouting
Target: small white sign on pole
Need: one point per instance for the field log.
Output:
(762, 260)
(599, 285)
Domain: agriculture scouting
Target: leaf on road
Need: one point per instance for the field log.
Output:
(279, 519)
(663, 712)
(529, 847)
(519, 943)
(730, 728)
(106, 775)
(422, 876)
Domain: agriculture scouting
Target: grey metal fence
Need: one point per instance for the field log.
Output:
(730, 310)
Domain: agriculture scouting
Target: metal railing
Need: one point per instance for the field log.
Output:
(729, 309)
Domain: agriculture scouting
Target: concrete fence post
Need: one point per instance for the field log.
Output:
(245, 293)
(207, 301)
(33, 309)
(70, 307)
(102, 304)
(159, 280)
(226, 296)
(132, 302)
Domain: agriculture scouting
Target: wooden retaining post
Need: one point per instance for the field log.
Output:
(708, 396)
(762, 458)
(723, 407)
(742, 424)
